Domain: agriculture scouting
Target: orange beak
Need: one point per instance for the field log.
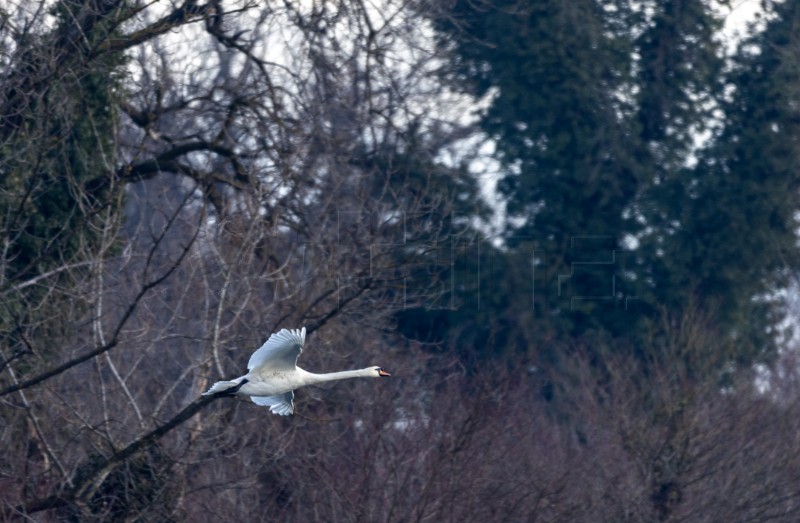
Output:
(382, 372)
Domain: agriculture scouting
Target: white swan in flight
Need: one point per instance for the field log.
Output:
(274, 375)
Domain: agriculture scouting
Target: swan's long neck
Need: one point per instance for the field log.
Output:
(343, 375)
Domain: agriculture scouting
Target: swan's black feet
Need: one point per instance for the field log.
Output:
(233, 390)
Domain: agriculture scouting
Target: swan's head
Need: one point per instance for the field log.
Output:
(379, 372)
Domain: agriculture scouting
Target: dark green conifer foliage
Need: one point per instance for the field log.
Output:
(555, 71)
(596, 108)
(57, 133)
(680, 81)
(59, 136)
(737, 241)
(679, 75)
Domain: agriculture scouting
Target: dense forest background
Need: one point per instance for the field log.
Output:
(567, 227)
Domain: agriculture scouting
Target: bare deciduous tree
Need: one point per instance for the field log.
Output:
(179, 180)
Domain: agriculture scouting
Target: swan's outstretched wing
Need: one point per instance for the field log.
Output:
(280, 352)
(282, 404)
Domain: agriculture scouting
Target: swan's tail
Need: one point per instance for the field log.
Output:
(223, 387)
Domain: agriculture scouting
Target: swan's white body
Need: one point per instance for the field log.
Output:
(274, 375)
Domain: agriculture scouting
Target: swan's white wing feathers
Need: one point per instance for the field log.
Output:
(280, 352)
(282, 404)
